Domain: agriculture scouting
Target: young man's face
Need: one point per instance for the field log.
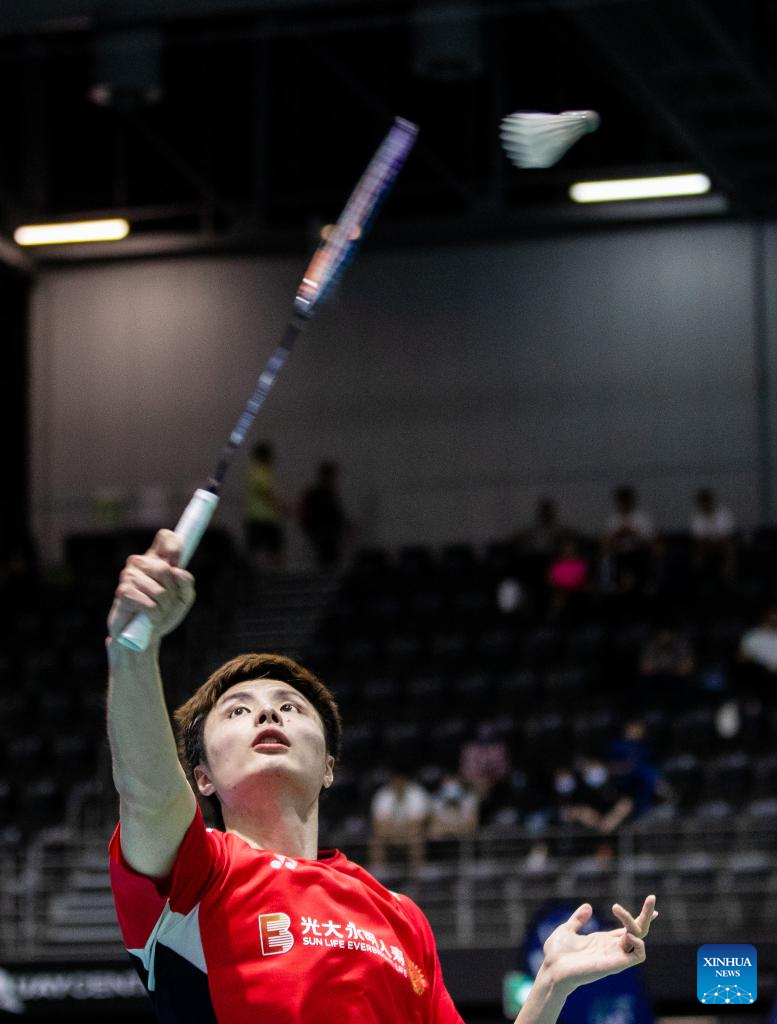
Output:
(260, 735)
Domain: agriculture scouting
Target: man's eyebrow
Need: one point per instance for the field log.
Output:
(240, 695)
(249, 695)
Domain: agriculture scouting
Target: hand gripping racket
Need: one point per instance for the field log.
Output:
(328, 262)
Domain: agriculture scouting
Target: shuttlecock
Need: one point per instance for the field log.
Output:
(532, 139)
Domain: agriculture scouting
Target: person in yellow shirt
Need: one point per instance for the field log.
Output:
(264, 511)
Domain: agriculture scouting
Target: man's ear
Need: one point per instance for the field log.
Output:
(204, 784)
(329, 776)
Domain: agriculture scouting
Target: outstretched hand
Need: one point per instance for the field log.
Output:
(573, 959)
(154, 584)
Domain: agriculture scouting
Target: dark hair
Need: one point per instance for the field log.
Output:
(262, 452)
(190, 717)
(625, 493)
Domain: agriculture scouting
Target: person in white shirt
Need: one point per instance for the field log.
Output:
(399, 812)
(758, 645)
(713, 528)
(711, 521)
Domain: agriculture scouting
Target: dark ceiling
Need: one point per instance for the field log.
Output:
(230, 124)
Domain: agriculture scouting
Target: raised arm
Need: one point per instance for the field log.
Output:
(157, 804)
(572, 960)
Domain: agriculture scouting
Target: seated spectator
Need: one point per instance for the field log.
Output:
(667, 654)
(453, 810)
(565, 787)
(399, 814)
(484, 767)
(633, 768)
(596, 802)
(758, 655)
(485, 761)
(713, 528)
(626, 543)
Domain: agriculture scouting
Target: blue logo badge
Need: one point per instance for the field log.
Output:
(727, 973)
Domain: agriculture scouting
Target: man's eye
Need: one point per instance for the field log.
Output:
(289, 706)
(234, 711)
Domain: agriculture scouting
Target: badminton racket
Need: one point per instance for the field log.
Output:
(329, 261)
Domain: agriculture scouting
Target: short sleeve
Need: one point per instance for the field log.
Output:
(441, 1008)
(140, 899)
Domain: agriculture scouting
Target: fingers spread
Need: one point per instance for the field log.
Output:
(625, 918)
(580, 917)
(640, 926)
(647, 915)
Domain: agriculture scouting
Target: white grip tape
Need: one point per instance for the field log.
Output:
(190, 528)
(194, 522)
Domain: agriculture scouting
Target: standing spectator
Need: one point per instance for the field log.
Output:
(399, 814)
(542, 537)
(713, 528)
(322, 517)
(536, 544)
(627, 538)
(263, 515)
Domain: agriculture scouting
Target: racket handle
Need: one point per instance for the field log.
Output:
(190, 528)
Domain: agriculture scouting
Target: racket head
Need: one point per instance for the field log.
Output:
(339, 247)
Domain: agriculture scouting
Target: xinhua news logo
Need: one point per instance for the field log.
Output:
(727, 973)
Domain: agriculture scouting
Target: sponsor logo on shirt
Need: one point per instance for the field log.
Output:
(417, 978)
(274, 934)
(283, 862)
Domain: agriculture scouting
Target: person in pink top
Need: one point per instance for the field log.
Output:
(251, 921)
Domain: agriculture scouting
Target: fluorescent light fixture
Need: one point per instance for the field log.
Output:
(640, 188)
(76, 231)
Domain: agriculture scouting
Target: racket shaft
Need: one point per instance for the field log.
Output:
(190, 528)
(265, 382)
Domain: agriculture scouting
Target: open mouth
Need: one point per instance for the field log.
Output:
(270, 739)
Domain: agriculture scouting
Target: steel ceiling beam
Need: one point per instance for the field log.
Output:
(61, 16)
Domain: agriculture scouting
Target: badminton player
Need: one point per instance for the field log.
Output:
(252, 923)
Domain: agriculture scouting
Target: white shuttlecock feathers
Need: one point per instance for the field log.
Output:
(532, 139)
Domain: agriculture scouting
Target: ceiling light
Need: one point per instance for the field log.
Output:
(640, 188)
(75, 231)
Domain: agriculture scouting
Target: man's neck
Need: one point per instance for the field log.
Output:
(282, 830)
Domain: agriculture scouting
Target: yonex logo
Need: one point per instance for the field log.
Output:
(283, 862)
(274, 933)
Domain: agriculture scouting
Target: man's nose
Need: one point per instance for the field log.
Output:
(269, 714)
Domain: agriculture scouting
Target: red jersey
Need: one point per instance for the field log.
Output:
(237, 935)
